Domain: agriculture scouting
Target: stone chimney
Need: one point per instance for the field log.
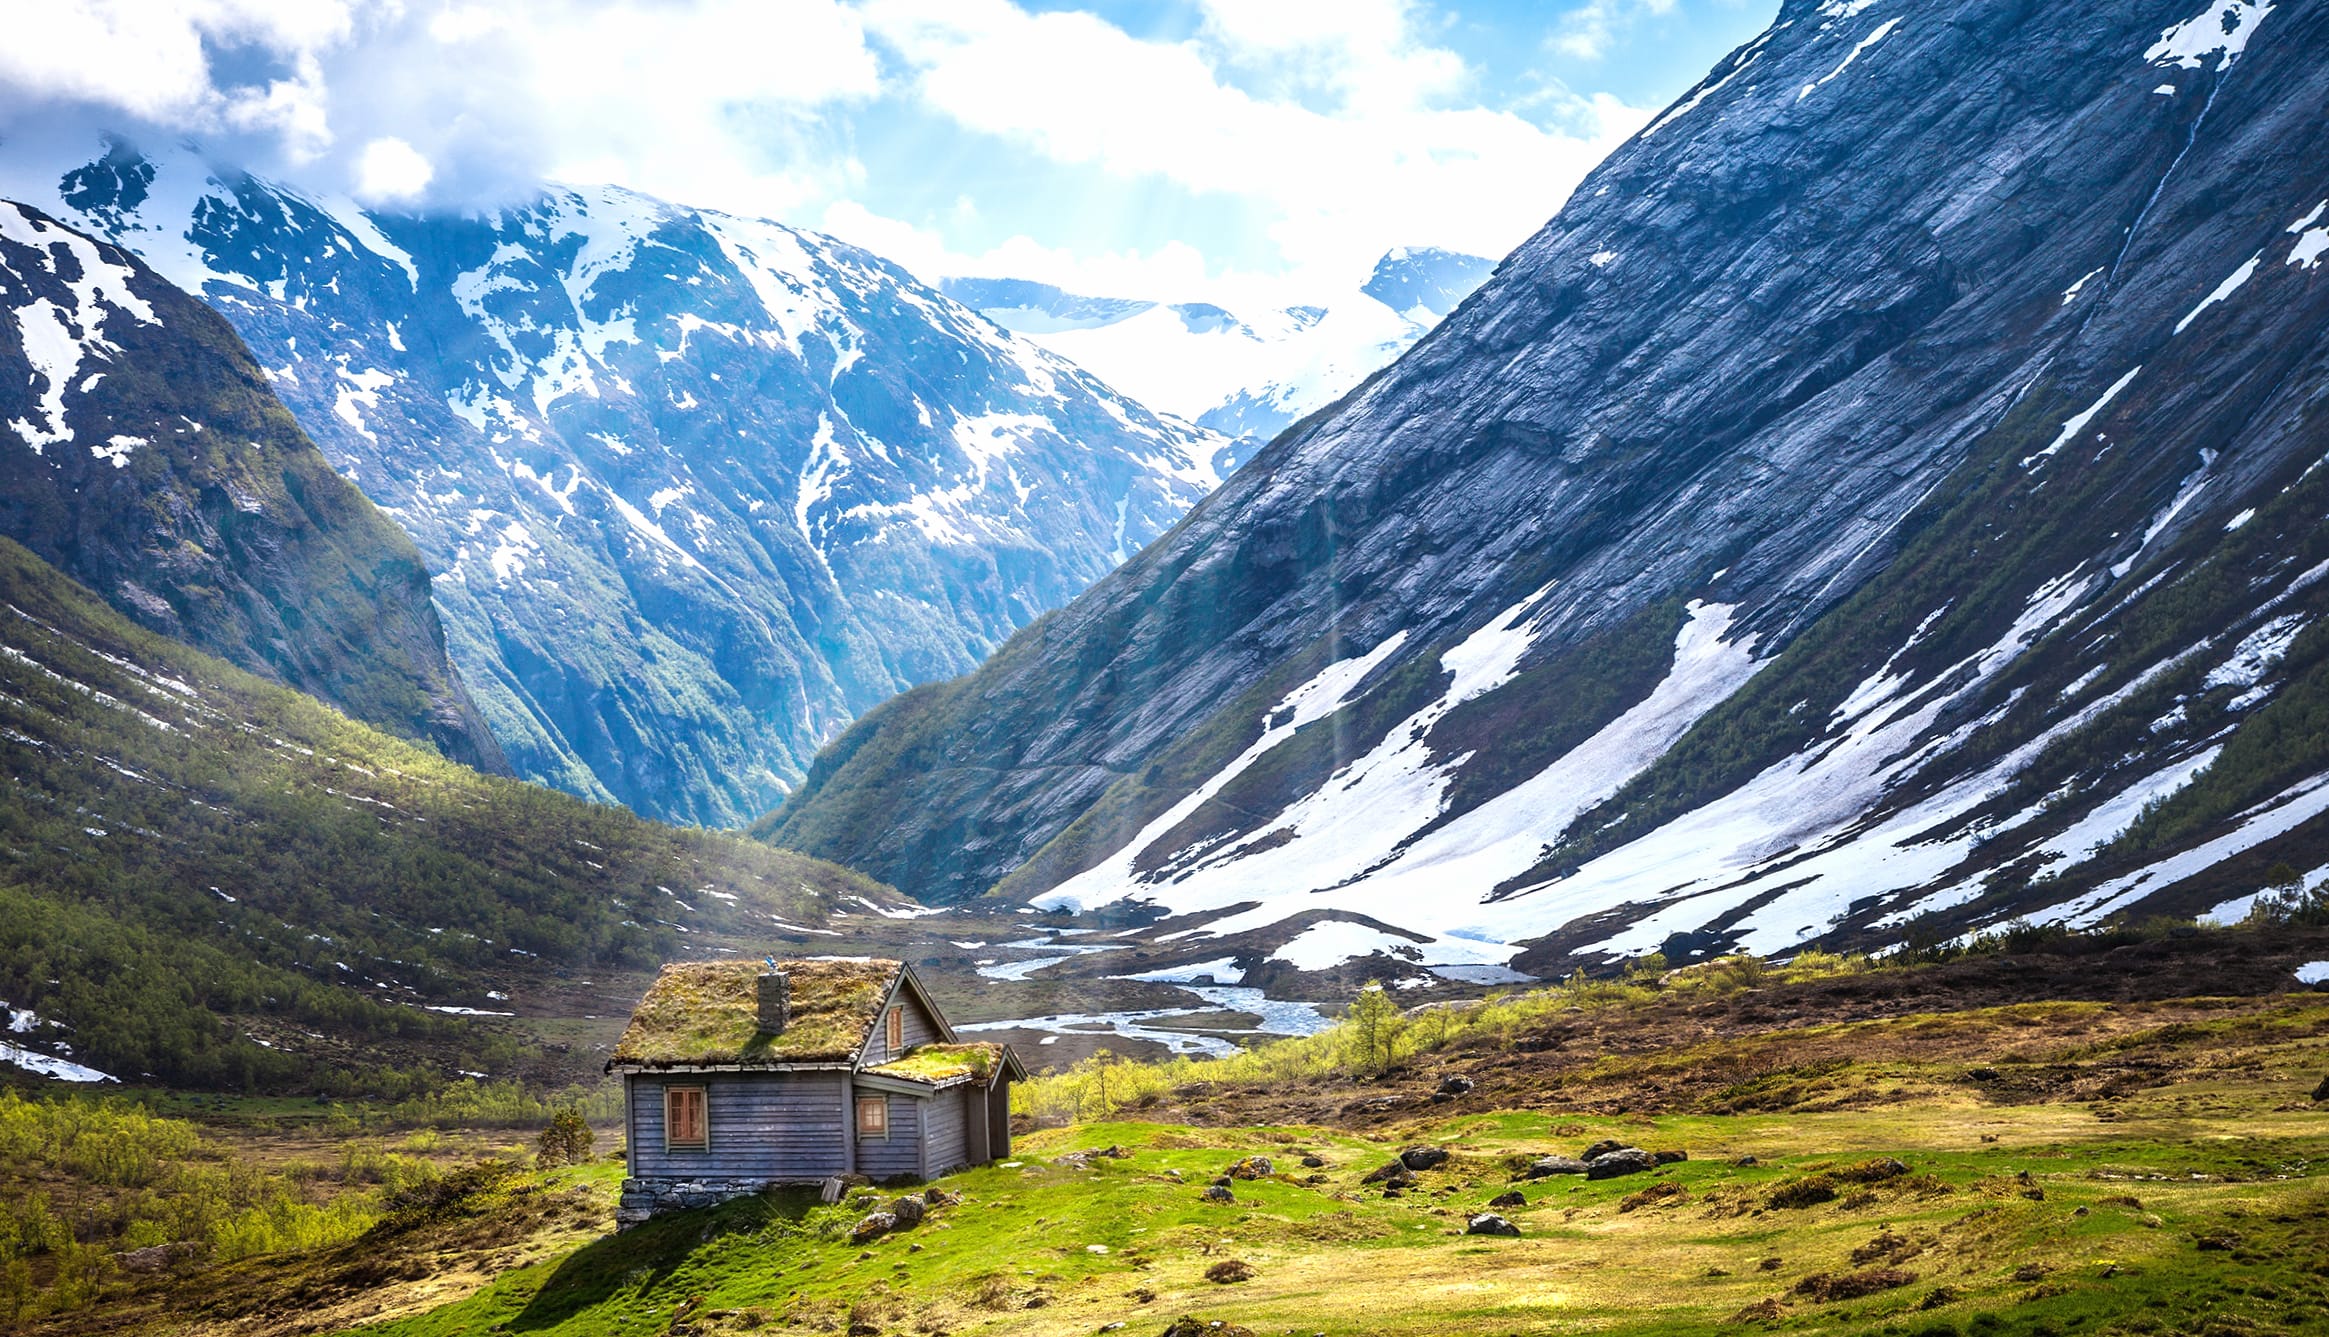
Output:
(776, 1001)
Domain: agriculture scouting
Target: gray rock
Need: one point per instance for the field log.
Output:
(1489, 1223)
(908, 1210)
(1423, 1158)
(1544, 1166)
(1252, 1167)
(1218, 1193)
(1511, 1198)
(1394, 1175)
(1623, 1161)
(873, 1225)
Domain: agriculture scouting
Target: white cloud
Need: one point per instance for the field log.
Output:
(1334, 128)
(155, 62)
(1335, 182)
(1367, 52)
(390, 171)
(693, 99)
(1588, 31)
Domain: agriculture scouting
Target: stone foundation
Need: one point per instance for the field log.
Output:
(644, 1198)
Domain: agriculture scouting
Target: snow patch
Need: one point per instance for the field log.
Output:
(1882, 30)
(2224, 26)
(2074, 426)
(2223, 290)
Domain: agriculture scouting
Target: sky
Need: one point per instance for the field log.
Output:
(1218, 150)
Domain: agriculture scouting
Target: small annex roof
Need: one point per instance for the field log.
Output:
(707, 1014)
(942, 1065)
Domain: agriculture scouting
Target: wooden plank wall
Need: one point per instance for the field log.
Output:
(763, 1126)
(901, 1152)
(918, 1028)
(943, 1132)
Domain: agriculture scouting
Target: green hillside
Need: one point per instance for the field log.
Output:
(210, 881)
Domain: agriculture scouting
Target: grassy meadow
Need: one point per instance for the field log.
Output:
(1942, 1163)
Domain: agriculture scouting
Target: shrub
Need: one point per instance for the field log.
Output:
(565, 1142)
(1827, 1287)
(1805, 1192)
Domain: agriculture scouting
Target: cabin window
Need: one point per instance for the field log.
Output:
(873, 1116)
(897, 1036)
(685, 1127)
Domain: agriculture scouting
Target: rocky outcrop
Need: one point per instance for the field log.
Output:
(1879, 505)
(143, 454)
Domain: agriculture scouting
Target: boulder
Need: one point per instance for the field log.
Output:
(1623, 1161)
(1602, 1148)
(1253, 1167)
(1515, 1198)
(1454, 1086)
(1217, 1193)
(908, 1211)
(1489, 1223)
(1394, 1175)
(1423, 1158)
(1230, 1271)
(1669, 1157)
(873, 1226)
(1313, 1162)
(1545, 1166)
(938, 1197)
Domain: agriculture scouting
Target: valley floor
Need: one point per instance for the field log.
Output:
(1945, 1159)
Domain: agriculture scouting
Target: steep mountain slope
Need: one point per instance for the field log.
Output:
(698, 488)
(1889, 489)
(212, 881)
(146, 455)
(1246, 375)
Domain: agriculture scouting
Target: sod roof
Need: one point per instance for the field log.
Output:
(939, 1065)
(708, 1013)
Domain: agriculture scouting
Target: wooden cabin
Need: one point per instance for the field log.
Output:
(740, 1076)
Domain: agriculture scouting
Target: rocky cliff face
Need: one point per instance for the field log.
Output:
(1885, 501)
(697, 488)
(142, 452)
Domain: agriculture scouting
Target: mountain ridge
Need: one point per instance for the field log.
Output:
(697, 488)
(228, 531)
(1734, 419)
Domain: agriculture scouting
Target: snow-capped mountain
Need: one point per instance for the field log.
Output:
(697, 488)
(1885, 501)
(1245, 374)
(143, 454)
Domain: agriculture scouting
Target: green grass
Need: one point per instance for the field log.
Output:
(2115, 1224)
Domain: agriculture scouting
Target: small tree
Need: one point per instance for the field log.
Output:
(1376, 1025)
(565, 1142)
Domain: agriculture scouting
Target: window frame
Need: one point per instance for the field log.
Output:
(876, 1101)
(672, 1094)
(894, 1031)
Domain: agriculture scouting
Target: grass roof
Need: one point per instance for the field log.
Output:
(937, 1063)
(709, 1012)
